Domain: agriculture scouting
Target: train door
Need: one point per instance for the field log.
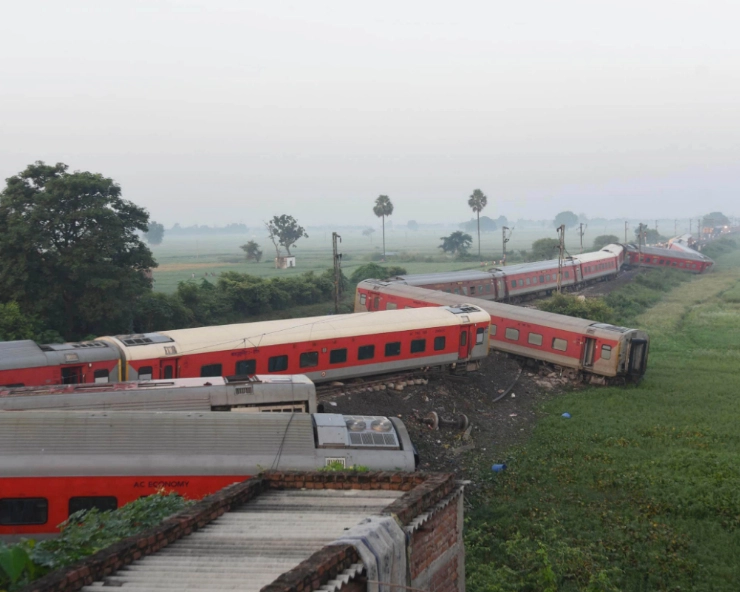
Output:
(168, 368)
(500, 289)
(588, 352)
(72, 375)
(579, 273)
(637, 356)
(467, 340)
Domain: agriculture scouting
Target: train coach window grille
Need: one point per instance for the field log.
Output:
(418, 346)
(363, 299)
(277, 364)
(145, 373)
(559, 344)
(606, 352)
(567, 274)
(512, 334)
(366, 352)
(492, 330)
(529, 281)
(472, 290)
(521, 283)
(465, 290)
(210, 370)
(439, 343)
(488, 288)
(391, 306)
(101, 376)
(338, 356)
(309, 359)
(101, 503)
(479, 336)
(24, 510)
(542, 279)
(534, 338)
(513, 283)
(245, 367)
(393, 349)
(547, 277)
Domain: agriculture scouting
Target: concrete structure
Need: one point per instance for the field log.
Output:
(284, 262)
(294, 532)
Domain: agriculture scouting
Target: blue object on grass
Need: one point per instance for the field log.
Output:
(566, 415)
(498, 468)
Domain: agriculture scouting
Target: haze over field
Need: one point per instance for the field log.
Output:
(218, 111)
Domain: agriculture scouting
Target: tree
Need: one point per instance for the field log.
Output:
(605, 239)
(284, 231)
(568, 218)
(14, 324)
(412, 225)
(484, 224)
(477, 201)
(253, 251)
(376, 272)
(154, 234)
(650, 235)
(457, 243)
(368, 232)
(70, 252)
(715, 219)
(544, 248)
(383, 207)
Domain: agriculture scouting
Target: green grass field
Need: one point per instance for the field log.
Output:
(180, 258)
(640, 488)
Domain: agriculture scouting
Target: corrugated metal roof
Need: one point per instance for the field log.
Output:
(250, 546)
(20, 354)
(422, 279)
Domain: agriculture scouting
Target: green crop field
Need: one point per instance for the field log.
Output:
(182, 258)
(640, 488)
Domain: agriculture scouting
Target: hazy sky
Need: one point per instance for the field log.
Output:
(214, 111)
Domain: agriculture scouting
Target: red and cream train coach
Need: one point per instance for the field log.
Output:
(603, 353)
(336, 347)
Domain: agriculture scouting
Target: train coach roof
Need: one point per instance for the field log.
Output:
(267, 333)
(595, 256)
(21, 354)
(534, 267)
(423, 279)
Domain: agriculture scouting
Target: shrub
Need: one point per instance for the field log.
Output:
(594, 309)
(375, 271)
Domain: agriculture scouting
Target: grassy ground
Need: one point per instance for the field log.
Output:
(180, 258)
(640, 488)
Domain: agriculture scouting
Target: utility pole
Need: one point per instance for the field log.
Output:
(625, 231)
(335, 239)
(581, 232)
(505, 240)
(639, 243)
(656, 226)
(561, 254)
(698, 227)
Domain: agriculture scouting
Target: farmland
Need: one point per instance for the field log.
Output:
(640, 488)
(183, 258)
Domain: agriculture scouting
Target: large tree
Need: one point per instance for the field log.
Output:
(457, 243)
(70, 252)
(252, 251)
(568, 218)
(604, 239)
(155, 233)
(715, 219)
(383, 207)
(477, 201)
(284, 231)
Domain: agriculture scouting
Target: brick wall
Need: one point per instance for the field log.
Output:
(436, 560)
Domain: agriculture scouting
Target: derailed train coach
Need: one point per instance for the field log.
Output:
(56, 463)
(599, 352)
(327, 348)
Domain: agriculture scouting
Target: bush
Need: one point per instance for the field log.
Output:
(605, 239)
(594, 309)
(718, 247)
(376, 272)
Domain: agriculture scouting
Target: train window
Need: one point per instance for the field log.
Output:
(513, 283)
(492, 330)
(338, 356)
(366, 352)
(277, 364)
(363, 298)
(439, 343)
(464, 338)
(521, 283)
(547, 277)
(660, 262)
(479, 335)
(674, 264)
(559, 344)
(534, 280)
(465, 290)
(488, 288)
(512, 334)
(101, 376)
(393, 349)
(391, 306)
(102, 503)
(309, 359)
(418, 345)
(567, 274)
(245, 367)
(457, 291)
(472, 290)
(145, 373)
(72, 375)
(210, 370)
(606, 352)
(534, 338)
(24, 510)
(529, 281)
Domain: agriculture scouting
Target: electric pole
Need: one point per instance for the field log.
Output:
(581, 233)
(505, 240)
(335, 239)
(639, 243)
(625, 231)
(561, 254)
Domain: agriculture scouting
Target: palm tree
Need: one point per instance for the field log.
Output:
(383, 207)
(477, 202)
